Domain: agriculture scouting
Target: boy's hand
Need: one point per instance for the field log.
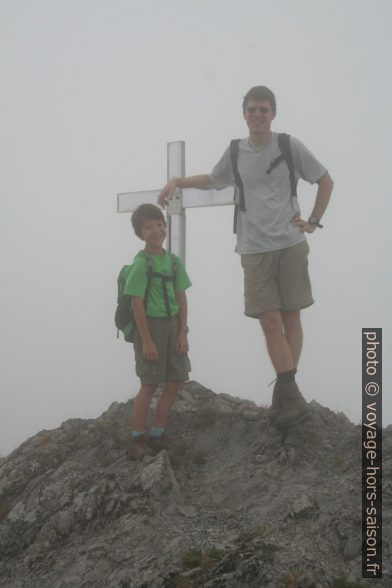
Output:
(167, 193)
(182, 343)
(150, 351)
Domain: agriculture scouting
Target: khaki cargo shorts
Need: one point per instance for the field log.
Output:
(171, 366)
(277, 280)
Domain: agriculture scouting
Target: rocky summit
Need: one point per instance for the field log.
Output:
(229, 503)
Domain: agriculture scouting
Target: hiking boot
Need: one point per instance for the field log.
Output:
(138, 448)
(288, 406)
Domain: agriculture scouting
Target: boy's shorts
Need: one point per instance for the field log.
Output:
(171, 366)
(277, 280)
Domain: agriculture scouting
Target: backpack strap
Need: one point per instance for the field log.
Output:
(149, 276)
(174, 269)
(164, 280)
(286, 155)
(234, 147)
(284, 146)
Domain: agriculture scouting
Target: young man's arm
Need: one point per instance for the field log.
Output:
(167, 192)
(325, 187)
(182, 339)
(150, 351)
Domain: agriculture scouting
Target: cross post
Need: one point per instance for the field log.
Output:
(182, 199)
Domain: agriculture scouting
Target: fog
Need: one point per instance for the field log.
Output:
(91, 93)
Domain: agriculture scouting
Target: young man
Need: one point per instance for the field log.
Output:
(161, 342)
(270, 238)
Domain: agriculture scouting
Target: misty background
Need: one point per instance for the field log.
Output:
(91, 93)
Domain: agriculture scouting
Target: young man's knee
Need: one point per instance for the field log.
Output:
(291, 316)
(271, 322)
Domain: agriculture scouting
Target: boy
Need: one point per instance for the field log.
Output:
(161, 341)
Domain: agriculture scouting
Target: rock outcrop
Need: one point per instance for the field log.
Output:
(232, 503)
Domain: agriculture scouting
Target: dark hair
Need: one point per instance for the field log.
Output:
(260, 93)
(145, 212)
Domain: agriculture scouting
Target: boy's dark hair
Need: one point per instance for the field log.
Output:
(145, 212)
(260, 93)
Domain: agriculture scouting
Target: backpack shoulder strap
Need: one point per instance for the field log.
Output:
(149, 265)
(174, 266)
(234, 148)
(284, 146)
(149, 276)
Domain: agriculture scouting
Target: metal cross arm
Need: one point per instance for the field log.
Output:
(182, 199)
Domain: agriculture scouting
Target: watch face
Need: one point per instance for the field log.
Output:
(313, 220)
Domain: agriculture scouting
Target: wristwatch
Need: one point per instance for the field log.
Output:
(184, 329)
(313, 220)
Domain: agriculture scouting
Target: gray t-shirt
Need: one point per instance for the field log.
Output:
(265, 225)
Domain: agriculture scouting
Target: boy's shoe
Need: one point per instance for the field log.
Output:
(158, 442)
(163, 441)
(138, 448)
(288, 406)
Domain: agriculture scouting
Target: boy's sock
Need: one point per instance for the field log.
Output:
(288, 376)
(157, 431)
(137, 434)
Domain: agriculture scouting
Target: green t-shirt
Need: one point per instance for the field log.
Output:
(137, 282)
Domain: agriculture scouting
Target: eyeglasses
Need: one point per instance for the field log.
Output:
(261, 109)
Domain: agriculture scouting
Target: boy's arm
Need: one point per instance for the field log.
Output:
(150, 351)
(182, 339)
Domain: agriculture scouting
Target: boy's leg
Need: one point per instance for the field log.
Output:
(140, 407)
(151, 373)
(165, 403)
(178, 367)
(139, 447)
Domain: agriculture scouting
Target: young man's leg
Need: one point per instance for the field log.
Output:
(293, 333)
(296, 293)
(279, 279)
(277, 342)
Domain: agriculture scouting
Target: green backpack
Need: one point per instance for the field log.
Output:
(123, 318)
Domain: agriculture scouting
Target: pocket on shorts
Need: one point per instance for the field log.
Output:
(145, 368)
(187, 363)
(248, 260)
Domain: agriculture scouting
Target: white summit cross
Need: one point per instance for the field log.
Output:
(182, 199)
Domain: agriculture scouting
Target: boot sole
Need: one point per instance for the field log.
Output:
(284, 423)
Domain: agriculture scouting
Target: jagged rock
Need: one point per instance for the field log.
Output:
(158, 477)
(186, 510)
(235, 504)
(353, 547)
(302, 506)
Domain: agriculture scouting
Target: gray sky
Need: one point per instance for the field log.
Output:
(92, 91)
